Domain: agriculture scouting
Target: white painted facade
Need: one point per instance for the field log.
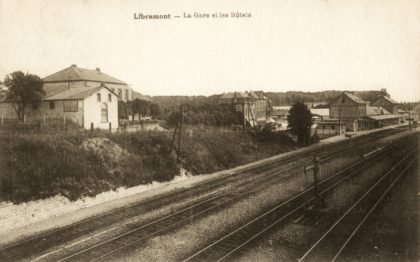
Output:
(93, 110)
(89, 110)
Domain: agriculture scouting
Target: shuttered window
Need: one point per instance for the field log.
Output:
(104, 113)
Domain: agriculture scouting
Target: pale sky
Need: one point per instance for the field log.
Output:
(285, 45)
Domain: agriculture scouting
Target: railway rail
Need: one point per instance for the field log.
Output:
(137, 236)
(232, 243)
(52, 238)
(143, 232)
(332, 243)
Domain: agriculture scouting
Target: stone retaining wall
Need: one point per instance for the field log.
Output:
(15, 216)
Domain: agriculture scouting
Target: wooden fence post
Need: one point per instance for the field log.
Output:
(91, 128)
(1, 120)
(110, 127)
(44, 119)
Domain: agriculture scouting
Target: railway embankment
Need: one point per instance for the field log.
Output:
(285, 159)
(49, 175)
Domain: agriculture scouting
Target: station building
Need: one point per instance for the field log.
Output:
(358, 114)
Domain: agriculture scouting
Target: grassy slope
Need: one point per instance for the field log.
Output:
(34, 166)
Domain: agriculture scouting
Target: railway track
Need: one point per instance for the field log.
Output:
(334, 241)
(41, 242)
(232, 243)
(139, 235)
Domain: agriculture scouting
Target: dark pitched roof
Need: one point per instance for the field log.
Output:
(352, 97)
(355, 98)
(376, 110)
(231, 95)
(74, 73)
(72, 93)
(391, 101)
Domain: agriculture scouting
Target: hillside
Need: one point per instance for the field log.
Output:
(169, 103)
(287, 98)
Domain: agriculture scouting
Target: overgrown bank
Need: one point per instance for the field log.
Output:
(75, 165)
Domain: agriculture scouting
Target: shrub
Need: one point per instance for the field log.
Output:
(36, 167)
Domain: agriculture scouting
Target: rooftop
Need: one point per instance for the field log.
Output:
(71, 93)
(382, 117)
(391, 101)
(74, 73)
(376, 110)
(354, 98)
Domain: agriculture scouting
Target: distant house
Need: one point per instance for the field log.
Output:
(280, 112)
(330, 127)
(318, 114)
(74, 76)
(358, 114)
(349, 109)
(387, 103)
(254, 106)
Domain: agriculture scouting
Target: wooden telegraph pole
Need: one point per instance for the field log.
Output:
(319, 201)
(177, 131)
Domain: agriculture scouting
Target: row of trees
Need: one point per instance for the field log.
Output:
(290, 97)
(138, 106)
(206, 114)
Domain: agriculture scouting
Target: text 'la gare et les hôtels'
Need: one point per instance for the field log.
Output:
(142, 16)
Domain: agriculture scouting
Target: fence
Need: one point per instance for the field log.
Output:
(8, 125)
(65, 125)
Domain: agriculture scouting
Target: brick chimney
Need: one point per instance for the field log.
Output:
(383, 92)
(73, 65)
(98, 69)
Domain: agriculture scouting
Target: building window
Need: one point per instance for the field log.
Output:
(109, 98)
(119, 93)
(104, 113)
(70, 106)
(52, 105)
(126, 94)
(98, 97)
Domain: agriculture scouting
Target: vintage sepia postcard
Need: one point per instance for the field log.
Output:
(181, 130)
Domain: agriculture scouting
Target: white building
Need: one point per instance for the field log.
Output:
(80, 95)
(85, 106)
(74, 76)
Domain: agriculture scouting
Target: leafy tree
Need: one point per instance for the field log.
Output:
(154, 110)
(138, 106)
(300, 122)
(141, 107)
(124, 109)
(23, 90)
